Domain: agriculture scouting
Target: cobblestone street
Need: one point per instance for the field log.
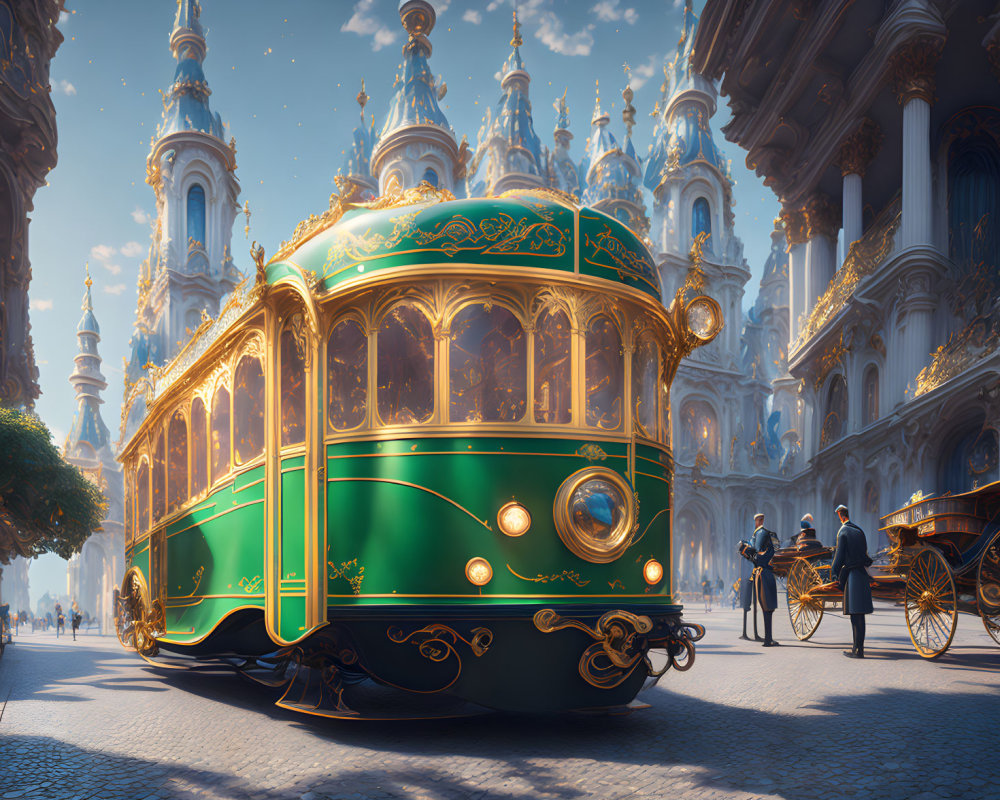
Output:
(86, 719)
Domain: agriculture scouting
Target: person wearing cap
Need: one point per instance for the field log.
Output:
(849, 570)
(760, 552)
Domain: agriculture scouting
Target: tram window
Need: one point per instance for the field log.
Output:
(604, 374)
(645, 382)
(159, 479)
(405, 367)
(129, 505)
(199, 448)
(553, 389)
(177, 455)
(142, 499)
(489, 366)
(293, 388)
(248, 410)
(220, 433)
(346, 375)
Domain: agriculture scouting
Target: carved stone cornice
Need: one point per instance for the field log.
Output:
(794, 222)
(858, 149)
(913, 68)
(822, 216)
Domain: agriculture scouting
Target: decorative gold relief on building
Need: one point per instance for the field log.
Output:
(913, 69)
(858, 149)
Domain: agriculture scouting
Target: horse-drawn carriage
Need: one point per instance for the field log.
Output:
(944, 558)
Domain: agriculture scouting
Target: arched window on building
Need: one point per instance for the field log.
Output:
(973, 199)
(196, 214)
(869, 396)
(835, 419)
(431, 177)
(701, 217)
(970, 460)
(700, 434)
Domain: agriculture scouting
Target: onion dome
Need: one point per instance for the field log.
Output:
(564, 174)
(514, 157)
(531, 230)
(357, 164)
(88, 433)
(414, 115)
(186, 101)
(614, 177)
(682, 134)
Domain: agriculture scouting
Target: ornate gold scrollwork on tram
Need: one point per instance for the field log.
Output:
(138, 620)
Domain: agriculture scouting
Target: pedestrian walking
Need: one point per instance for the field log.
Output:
(706, 591)
(849, 569)
(77, 619)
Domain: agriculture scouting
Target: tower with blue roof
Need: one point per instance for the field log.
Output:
(357, 168)
(513, 151)
(93, 573)
(417, 143)
(192, 169)
(564, 173)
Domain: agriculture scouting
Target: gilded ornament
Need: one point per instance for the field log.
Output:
(591, 452)
(858, 150)
(566, 575)
(913, 69)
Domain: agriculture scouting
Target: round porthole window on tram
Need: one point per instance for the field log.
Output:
(595, 514)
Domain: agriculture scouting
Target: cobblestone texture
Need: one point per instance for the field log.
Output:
(89, 720)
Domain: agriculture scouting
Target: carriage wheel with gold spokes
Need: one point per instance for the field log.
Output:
(988, 588)
(931, 603)
(135, 614)
(804, 609)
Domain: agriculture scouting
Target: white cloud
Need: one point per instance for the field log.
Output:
(645, 71)
(364, 23)
(114, 269)
(550, 32)
(140, 216)
(117, 289)
(102, 252)
(65, 87)
(131, 250)
(473, 16)
(40, 305)
(611, 11)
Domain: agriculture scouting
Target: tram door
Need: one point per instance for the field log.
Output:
(296, 595)
(158, 575)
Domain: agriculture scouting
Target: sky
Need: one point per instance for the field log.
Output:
(284, 77)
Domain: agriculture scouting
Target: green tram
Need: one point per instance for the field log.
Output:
(427, 451)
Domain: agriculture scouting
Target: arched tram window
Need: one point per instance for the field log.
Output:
(220, 433)
(488, 362)
(159, 488)
(142, 499)
(293, 388)
(645, 387)
(248, 410)
(553, 368)
(177, 462)
(605, 374)
(347, 375)
(405, 367)
(199, 447)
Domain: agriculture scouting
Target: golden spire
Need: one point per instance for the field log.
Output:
(516, 40)
(628, 112)
(362, 98)
(87, 282)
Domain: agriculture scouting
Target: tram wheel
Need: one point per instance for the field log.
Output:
(931, 603)
(805, 611)
(134, 615)
(988, 588)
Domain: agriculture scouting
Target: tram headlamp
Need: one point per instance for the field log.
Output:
(478, 571)
(595, 514)
(513, 519)
(652, 571)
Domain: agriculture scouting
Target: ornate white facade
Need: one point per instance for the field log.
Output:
(892, 142)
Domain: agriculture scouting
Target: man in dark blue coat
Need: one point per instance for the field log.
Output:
(746, 595)
(766, 588)
(849, 570)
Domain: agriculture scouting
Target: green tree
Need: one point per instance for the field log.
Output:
(46, 504)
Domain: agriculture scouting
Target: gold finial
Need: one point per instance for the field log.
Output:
(362, 98)
(246, 213)
(628, 112)
(516, 40)
(88, 283)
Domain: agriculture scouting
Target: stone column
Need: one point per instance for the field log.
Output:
(918, 305)
(822, 223)
(856, 154)
(913, 75)
(795, 234)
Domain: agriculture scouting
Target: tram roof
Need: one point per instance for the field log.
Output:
(425, 226)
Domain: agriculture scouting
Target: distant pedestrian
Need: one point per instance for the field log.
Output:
(706, 591)
(77, 619)
(849, 569)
